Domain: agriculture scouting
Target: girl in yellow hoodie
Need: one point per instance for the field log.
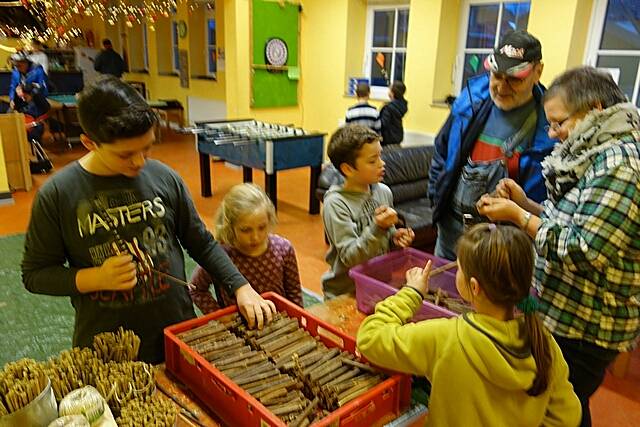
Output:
(487, 368)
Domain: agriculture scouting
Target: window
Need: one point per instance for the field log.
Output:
(484, 24)
(137, 48)
(164, 46)
(211, 47)
(202, 41)
(615, 43)
(175, 49)
(386, 55)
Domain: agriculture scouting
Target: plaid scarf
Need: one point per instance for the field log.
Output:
(598, 131)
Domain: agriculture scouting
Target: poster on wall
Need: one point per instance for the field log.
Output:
(274, 68)
(184, 68)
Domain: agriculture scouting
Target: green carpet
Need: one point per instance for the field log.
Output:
(39, 326)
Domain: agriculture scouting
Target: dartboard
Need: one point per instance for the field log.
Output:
(276, 52)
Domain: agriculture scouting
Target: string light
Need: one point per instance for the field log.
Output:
(61, 18)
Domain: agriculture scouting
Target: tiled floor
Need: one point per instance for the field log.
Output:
(616, 403)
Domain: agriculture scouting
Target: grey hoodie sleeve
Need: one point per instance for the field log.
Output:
(352, 248)
(44, 269)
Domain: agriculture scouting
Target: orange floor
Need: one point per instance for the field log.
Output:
(295, 223)
(616, 403)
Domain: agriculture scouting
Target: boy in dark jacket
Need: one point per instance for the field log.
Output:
(108, 61)
(391, 114)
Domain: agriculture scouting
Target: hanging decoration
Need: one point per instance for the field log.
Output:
(61, 17)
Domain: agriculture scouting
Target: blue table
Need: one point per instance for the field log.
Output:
(271, 148)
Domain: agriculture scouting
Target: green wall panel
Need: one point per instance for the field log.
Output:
(274, 88)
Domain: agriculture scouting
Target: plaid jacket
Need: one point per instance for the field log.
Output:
(588, 245)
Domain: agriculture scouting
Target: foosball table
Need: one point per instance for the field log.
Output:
(254, 144)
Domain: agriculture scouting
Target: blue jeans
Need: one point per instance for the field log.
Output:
(449, 230)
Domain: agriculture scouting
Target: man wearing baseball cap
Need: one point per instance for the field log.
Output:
(496, 129)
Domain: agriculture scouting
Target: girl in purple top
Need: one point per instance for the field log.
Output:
(242, 224)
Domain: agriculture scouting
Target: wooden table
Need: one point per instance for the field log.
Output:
(340, 312)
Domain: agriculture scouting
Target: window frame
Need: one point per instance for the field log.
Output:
(593, 51)
(130, 50)
(458, 67)
(380, 92)
(210, 17)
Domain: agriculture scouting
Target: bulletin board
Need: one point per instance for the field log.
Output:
(183, 60)
(274, 86)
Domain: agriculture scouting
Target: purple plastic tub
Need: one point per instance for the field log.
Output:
(382, 276)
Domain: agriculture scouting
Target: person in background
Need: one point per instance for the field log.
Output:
(358, 215)
(108, 61)
(243, 225)
(587, 233)
(38, 56)
(363, 113)
(108, 231)
(30, 102)
(489, 367)
(24, 73)
(391, 115)
(496, 129)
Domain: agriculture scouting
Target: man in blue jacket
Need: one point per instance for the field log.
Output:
(26, 72)
(496, 130)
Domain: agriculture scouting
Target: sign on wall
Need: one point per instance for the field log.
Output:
(184, 68)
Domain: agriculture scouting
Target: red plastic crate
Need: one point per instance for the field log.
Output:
(381, 277)
(238, 408)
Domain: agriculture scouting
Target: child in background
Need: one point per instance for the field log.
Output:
(491, 367)
(391, 114)
(358, 216)
(363, 113)
(243, 224)
(30, 102)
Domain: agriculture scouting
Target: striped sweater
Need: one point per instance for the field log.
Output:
(363, 114)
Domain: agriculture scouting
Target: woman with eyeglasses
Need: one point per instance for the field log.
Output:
(587, 233)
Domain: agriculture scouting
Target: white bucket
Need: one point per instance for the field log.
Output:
(39, 412)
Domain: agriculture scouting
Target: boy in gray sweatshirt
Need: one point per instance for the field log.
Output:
(358, 216)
